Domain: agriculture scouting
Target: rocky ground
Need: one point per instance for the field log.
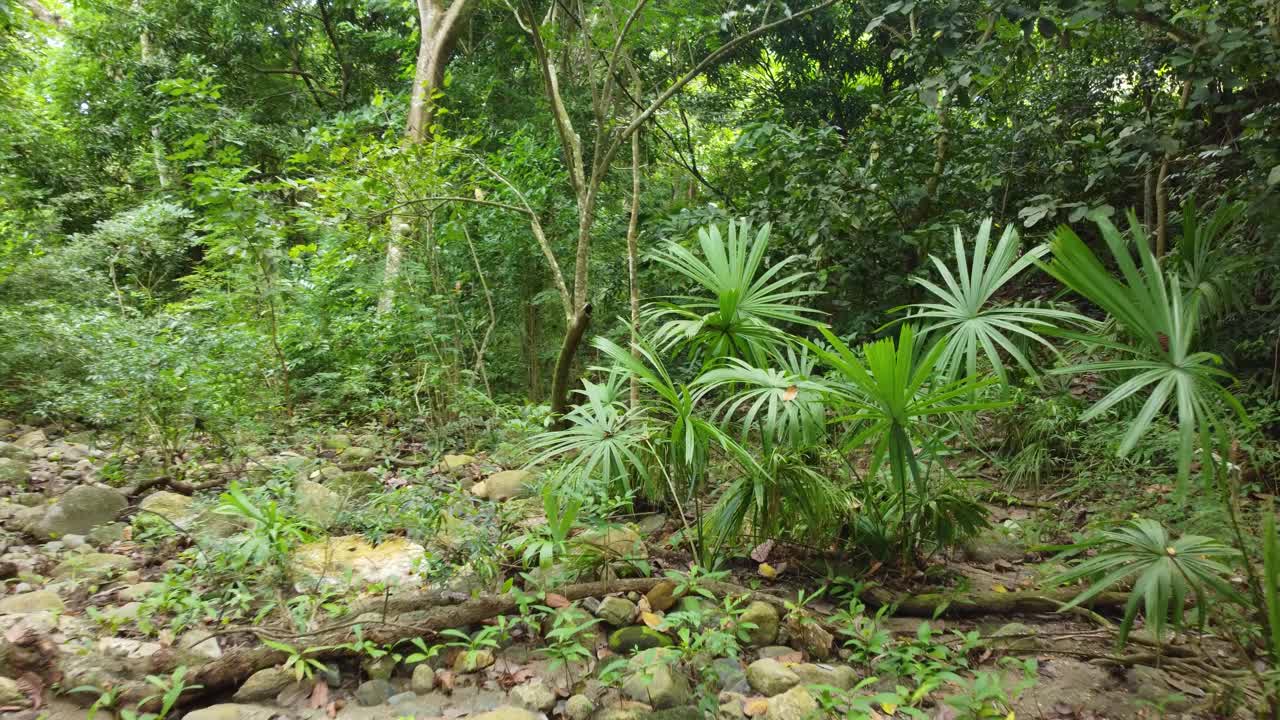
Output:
(80, 616)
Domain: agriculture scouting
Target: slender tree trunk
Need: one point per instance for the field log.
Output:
(438, 30)
(576, 328)
(1162, 178)
(157, 144)
(633, 229)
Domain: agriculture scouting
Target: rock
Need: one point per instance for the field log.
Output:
(794, 704)
(837, 676)
(403, 698)
(374, 692)
(137, 592)
(765, 618)
(423, 680)
(451, 463)
(11, 695)
(74, 542)
(991, 545)
(353, 485)
(123, 613)
(127, 648)
(1014, 636)
(264, 685)
(534, 695)
(731, 707)
(809, 636)
(473, 661)
(506, 712)
(775, 651)
(1152, 685)
(637, 637)
(578, 707)
(32, 602)
(727, 674)
(616, 611)
(480, 490)
(615, 543)
(507, 484)
(171, 506)
(231, 711)
(770, 677)
(336, 442)
(624, 710)
(79, 511)
(104, 535)
(31, 440)
(653, 678)
(379, 668)
(661, 596)
(357, 454)
(651, 525)
(13, 473)
(7, 427)
(91, 565)
(200, 643)
(391, 562)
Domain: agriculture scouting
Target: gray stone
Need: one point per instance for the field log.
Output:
(79, 511)
(578, 707)
(727, 674)
(506, 712)
(770, 677)
(654, 679)
(231, 711)
(403, 698)
(91, 565)
(991, 545)
(379, 668)
(837, 676)
(807, 635)
(31, 440)
(473, 661)
(451, 463)
(374, 692)
(765, 618)
(317, 504)
(651, 525)
(138, 591)
(32, 602)
(775, 651)
(169, 505)
(358, 454)
(507, 484)
(637, 637)
(1014, 636)
(123, 613)
(616, 611)
(616, 542)
(794, 704)
(13, 473)
(264, 684)
(423, 680)
(534, 695)
(11, 695)
(104, 535)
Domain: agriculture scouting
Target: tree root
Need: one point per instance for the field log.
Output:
(178, 486)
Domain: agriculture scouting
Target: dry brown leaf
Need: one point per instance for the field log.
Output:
(319, 695)
(644, 605)
(557, 601)
(790, 393)
(761, 552)
(33, 687)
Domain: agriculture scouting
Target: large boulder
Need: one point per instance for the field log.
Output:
(652, 677)
(171, 506)
(79, 511)
(795, 704)
(836, 676)
(507, 484)
(13, 473)
(760, 623)
(637, 637)
(32, 602)
(264, 685)
(89, 565)
(993, 544)
(534, 695)
(770, 677)
(317, 504)
(615, 542)
(336, 558)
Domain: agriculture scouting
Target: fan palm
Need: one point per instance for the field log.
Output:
(737, 316)
(1208, 271)
(605, 443)
(967, 315)
(1164, 572)
(1159, 356)
(786, 402)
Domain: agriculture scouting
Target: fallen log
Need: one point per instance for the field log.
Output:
(929, 605)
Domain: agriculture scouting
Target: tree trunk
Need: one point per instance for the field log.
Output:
(633, 230)
(577, 327)
(437, 35)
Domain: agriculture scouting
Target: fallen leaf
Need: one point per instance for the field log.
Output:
(761, 552)
(331, 709)
(790, 393)
(644, 605)
(319, 695)
(557, 601)
(768, 571)
(755, 706)
(653, 620)
(446, 680)
(999, 588)
(33, 687)
(889, 707)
